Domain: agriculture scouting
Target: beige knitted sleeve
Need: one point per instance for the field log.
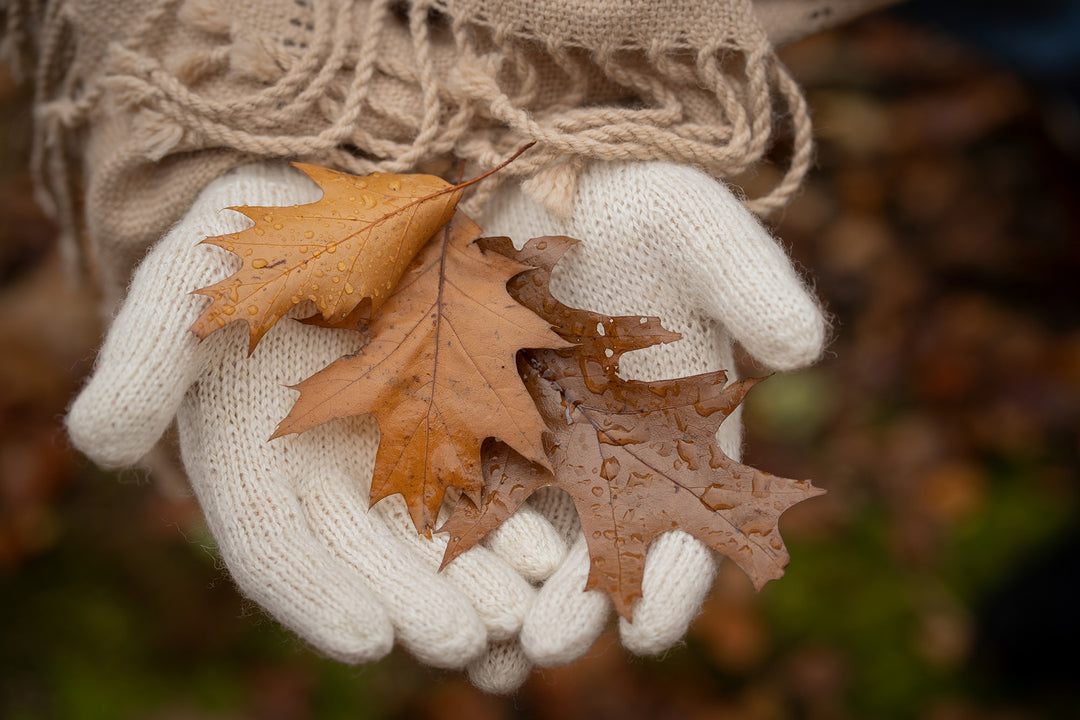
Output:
(141, 103)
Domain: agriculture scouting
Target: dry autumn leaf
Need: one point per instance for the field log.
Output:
(602, 339)
(352, 244)
(638, 459)
(439, 374)
(481, 380)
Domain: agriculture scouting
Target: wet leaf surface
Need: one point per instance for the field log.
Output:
(438, 374)
(638, 458)
(351, 245)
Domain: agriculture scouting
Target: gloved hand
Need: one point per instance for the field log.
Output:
(291, 516)
(664, 240)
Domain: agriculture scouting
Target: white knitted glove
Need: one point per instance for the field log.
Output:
(664, 240)
(291, 516)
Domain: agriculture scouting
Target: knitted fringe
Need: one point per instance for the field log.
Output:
(478, 89)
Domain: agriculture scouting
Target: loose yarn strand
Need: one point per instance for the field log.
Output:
(285, 144)
(429, 125)
(268, 108)
(802, 147)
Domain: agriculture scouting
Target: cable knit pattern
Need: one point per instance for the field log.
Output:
(290, 516)
(665, 240)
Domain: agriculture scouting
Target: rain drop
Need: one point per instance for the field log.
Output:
(253, 309)
(610, 469)
(258, 263)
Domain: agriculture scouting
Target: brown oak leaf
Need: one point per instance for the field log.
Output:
(439, 374)
(351, 245)
(638, 458)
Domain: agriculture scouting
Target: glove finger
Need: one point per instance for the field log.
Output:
(477, 586)
(502, 669)
(226, 422)
(272, 555)
(434, 618)
(743, 276)
(493, 590)
(150, 357)
(558, 507)
(529, 544)
(565, 620)
(679, 571)
(497, 593)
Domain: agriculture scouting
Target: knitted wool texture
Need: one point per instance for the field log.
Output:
(663, 240)
(291, 516)
(140, 103)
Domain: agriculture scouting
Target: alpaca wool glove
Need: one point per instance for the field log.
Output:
(668, 241)
(290, 516)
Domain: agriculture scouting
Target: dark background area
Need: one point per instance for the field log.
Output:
(936, 580)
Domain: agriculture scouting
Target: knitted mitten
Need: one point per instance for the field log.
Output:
(291, 516)
(664, 240)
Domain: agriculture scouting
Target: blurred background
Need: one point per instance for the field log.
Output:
(937, 579)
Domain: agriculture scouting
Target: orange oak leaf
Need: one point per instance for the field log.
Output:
(351, 245)
(439, 374)
(637, 458)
